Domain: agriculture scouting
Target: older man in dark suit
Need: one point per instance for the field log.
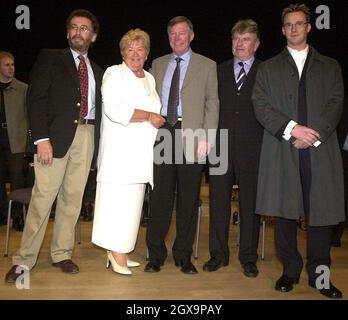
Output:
(64, 104)
(236, 78)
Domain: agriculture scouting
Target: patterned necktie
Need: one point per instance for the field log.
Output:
(173, 100)
(83, 76)
(241, 76)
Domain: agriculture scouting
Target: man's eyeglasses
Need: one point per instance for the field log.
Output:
(83, 28)
(297, 25)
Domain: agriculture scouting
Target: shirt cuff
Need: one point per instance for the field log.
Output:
(43, 139)
(317, 143)
(287, 132)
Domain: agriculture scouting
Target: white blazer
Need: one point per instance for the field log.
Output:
(126, 149)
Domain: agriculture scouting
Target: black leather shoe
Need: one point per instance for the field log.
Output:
(67, 266)
(12, 275)
(332, 292)
(152, 267)
(250, 269)
(186, 266)
(213, 264)
(285, 283)
(18, 223)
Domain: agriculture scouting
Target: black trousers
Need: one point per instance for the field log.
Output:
(220, 191)
(180, 182)
(13, 169)
(318, 238)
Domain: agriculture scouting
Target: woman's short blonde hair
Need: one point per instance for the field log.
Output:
(135, 35)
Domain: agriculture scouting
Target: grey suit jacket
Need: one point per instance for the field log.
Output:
(199, 97)
(16, 115)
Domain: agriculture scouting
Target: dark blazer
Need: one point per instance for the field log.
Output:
(54, 99)
(237, 115)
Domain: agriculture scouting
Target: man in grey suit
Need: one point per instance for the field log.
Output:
(196, 111)
(298, 98)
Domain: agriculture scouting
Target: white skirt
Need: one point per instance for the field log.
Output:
(117, 215)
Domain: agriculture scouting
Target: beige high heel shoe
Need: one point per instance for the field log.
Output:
(132, 263)
(115, 266)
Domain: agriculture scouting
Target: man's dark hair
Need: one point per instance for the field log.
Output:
(86, 14)
(296, 7)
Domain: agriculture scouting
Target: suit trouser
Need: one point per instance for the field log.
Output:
(184, 181)
(220, 190)
(318, 238)
(65, 179)
(318, 248)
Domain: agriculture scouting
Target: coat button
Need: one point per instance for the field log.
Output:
(75, 121)
(237, 112)
(78, 104)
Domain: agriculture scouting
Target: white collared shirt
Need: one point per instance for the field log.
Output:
(299, 57)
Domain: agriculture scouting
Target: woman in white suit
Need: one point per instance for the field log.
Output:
(130, 121)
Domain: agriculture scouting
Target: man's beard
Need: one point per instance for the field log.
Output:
(81, 46)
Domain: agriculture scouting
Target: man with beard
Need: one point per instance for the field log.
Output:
(64, 105)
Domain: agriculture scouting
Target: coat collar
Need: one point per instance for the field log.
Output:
(314, 55)
(13, 85)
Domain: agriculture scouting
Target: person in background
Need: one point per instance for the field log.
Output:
(236, 78)
(298, 98)
(64, 105)
(13, 137)
(130, 120)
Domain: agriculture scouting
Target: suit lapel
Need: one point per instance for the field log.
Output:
(161, 71)
(191, 71)
(69, 63)
(230, 75)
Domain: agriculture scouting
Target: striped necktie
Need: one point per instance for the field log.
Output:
(241, 76)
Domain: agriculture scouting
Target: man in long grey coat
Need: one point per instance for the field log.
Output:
(298, 98)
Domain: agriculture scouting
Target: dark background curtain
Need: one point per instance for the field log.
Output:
(212, 20)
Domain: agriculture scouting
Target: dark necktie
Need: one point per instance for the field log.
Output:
(173, 100)
(241, 76)
(83, 76)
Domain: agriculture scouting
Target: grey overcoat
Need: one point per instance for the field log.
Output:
(275, 99)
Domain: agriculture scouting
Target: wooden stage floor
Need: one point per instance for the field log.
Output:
(96, 282)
